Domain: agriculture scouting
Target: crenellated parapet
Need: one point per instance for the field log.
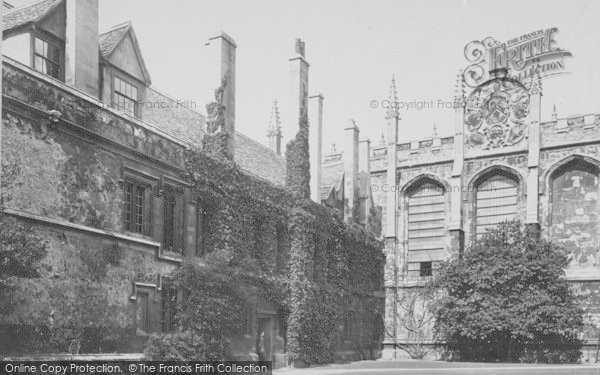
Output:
(558, 132)
(425, 151)
(569, 130)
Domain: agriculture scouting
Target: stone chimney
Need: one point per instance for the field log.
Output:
(298, 100)
(351, 172)
(274, 133)
(297, 177)
(315, 145)
(223, 55)
(364, 182)
(81, 46)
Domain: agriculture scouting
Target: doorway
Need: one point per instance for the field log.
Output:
(264, 339)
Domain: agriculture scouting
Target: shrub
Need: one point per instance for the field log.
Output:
(178, 346)
(506, 299)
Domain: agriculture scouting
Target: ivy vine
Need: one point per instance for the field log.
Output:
(324, 263)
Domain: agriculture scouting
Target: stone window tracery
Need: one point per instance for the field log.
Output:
(574, 220)
(426, 227)
(495, 201)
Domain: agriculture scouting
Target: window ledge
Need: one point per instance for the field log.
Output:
(169, 257)
(84, 228)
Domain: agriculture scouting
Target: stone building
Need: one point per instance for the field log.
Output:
(444, 191)
(99, 172)
(438, 193)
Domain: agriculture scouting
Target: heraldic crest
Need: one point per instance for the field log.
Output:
(495, 114)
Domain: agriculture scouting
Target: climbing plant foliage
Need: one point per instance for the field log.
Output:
(297, 177)
(507, 299)
(279, 247)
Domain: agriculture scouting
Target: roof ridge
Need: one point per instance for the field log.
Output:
(237, 132)
(125, 27)
(109, 40)
(27, 14)
(21, 7)
(117, 26)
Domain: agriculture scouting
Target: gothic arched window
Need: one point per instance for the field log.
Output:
(426, 228)
(496, 201)
(574, 211)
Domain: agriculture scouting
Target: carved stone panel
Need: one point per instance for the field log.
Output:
(495, 114)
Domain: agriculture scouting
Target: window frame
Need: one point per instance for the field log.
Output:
(168, 308)
(50, 41)
(114, 93)
(173, 195)
(475, 202)
(143, 327)
(130, 174)
(201, 228)
(410, 193)
(426, 271)
(130, 206)
(572, 165)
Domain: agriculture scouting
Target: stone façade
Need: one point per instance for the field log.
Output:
(560, 156)
(72, 155)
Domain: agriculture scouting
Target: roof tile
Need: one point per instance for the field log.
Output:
(16, 17)
(109, 40)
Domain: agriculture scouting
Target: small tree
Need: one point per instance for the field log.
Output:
(506, 299)
(416, 316)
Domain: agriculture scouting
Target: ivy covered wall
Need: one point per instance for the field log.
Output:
(314, 274)
(298, 256)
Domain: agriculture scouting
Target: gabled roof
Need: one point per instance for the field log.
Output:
(332, 177)
(109, 41)
(27, 14)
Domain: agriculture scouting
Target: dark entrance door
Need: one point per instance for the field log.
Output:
(264, 339)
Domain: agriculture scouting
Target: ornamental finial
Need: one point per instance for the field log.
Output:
(274, 120)
(459, 90)
(392, 112)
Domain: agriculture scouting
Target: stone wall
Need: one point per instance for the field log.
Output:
(72, 157)
(68, 186)
(567, 198)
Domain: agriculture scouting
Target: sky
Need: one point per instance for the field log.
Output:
(354, 47)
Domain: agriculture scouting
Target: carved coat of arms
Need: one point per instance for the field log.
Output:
(495, 114)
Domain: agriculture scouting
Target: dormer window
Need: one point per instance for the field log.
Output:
(47, 58)
(125, 97)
